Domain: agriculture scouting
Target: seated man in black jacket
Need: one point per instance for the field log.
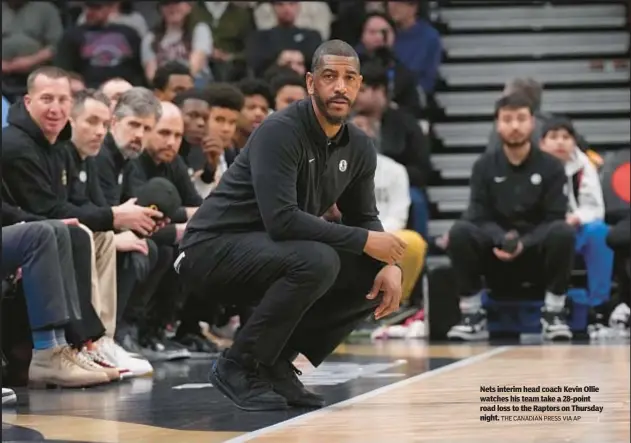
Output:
(38, 171)
(515, 224)
(160, 159)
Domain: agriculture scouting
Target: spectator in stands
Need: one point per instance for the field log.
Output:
(76, 82)
(100, 50)
(178, 38)
(33, 248)
(377, 40)
(160, 159)
(263, 46)
(122, 13)
(293, 59)
(5, 110)
(134, 116)
(226, 102)
(399, 135)
(514, 226)
(533, 90)
(170, 79)
(392, 192)
(39, 172)
(195, 109)
(619, 239)
(287, 88)
(349, 19)
(113, 89)
(87, 327)
(230, 24)
(311, 15)
(30, 32)
(417, 43)
(586, 211)
(258, 100)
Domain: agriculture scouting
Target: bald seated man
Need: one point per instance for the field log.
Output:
(114, 88)
(160, 158)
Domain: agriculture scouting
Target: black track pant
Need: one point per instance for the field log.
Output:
(308, 296)
(550, 262)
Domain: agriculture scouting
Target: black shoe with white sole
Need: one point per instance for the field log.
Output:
(242, 382)
(8, 397)
(472, 327)
(554, 325)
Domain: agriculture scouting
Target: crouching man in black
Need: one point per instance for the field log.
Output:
(258, 240)
(514, 226)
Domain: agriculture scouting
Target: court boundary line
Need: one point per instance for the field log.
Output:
(370, 394)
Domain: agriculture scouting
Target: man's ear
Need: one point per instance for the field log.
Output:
(309, 78)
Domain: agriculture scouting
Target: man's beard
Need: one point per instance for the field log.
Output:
(331, 119)
(129, 153)
(515, 144)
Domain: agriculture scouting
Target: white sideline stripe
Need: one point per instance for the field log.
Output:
(332, 408)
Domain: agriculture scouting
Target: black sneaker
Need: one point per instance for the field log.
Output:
(243, 383)
(471, 327)
(199, 347)
(554, 325)
(284, 378)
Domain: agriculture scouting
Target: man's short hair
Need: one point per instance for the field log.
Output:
(80, 97)
(556, 123)
(225, 95)
(374, 74)
(288, 79)
(252, 86)
(138, 102)
(513, 101)
(194, 93)
(337, 48)
(52, 72)
(528, 87)
(164, 73)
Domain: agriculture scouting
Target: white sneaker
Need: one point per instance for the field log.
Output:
(121, 358)
(619, 319)
(8, 396)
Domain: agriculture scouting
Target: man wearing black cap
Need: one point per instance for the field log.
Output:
(259, 240)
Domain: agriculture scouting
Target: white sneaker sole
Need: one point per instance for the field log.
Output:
(466, 336)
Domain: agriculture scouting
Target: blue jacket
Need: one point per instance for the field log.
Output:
(420, 50)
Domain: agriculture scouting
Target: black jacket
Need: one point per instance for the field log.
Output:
(86, 187)
(288, 174)
(116, 173)
(403, 140)
(38, 175)
(177, 173)
(525, 198)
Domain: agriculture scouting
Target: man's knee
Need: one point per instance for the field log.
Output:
(41, 232)
(462, 231)
(560, 233)
(316, 260)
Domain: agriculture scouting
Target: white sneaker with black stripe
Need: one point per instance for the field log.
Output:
(554, 325)
(472, 327)
(8, 397)
(619, 319)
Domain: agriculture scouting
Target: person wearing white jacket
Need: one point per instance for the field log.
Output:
(586, 209)
(392, 192)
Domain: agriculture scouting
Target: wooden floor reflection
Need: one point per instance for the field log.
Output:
(415, 393)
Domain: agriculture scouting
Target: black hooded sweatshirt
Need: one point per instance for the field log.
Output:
(38, 175)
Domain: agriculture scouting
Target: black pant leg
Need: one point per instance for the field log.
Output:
(470, 250)
(89, 327)
(557, 250)
(239, 268)
(334, 316)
